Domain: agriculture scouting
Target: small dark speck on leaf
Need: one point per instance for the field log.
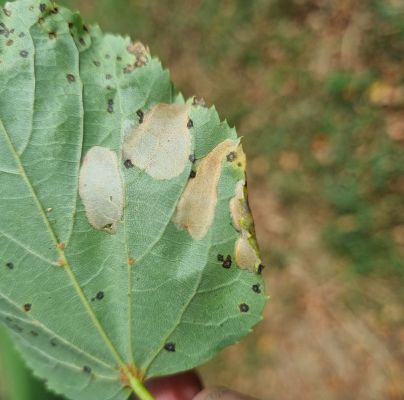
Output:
(190, 123)
(9, 319)
(97, 63)
(53, 342)
(231, 156)
(256, 288)
(85, 28)
(110, 105)
(9, 42)
(34, 333)
(227, 262)
(21, 35)
(92, 298)
(192, 158)
(27, 307)
(17, 328)
(52, 35)
(244, 307)
(220, 257)
(70, 77)
(82, 42)
(108, 76)
(170, 346)
(192, 174)
(55, 10)
(119, 58)
(24, 53)
(10, 265)
(71, 25)
(128, 164)
(40, 20)
(100, 295)
(260, 268)
(140, 115)
(42, 7)
(87, 369)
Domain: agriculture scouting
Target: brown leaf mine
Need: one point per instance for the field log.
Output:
(246, 252)
(100, 188)
(161, 144)
(196, 207)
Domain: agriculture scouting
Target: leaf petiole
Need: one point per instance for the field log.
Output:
(138, 388)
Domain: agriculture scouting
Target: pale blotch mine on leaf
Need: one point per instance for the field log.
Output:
(246, 252)
(246, 248)
(196, 207)
(239, 208)
(161, 144)
(101, 189)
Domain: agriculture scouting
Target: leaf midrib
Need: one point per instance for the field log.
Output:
(60, 251)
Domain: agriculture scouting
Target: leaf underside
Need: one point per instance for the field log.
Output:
(84, 305)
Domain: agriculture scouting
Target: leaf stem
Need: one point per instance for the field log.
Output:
(138, 388)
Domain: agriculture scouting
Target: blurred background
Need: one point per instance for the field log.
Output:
(316, 87)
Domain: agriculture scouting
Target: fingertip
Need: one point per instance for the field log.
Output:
(183, 386)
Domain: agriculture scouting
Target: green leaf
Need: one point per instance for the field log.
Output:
(127, 248)
(16, 380)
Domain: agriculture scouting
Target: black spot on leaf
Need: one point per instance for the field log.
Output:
(42, 7)
(110, 107)
(227, 262)
(34, 333)
(192, 158)
(100, 295)
(53, 342)
(9, 42)
(52, 35)
(220, 257)
(108, 76)
(170, 346)
(70, 77)
(97, 63)
(128, 164)
(87, 369)
(10, 265)
(82, 41)
(260, 268)
(27, 307)
(244, 307)
(192, 174)
(21, 35)
(256, 288)
(231, 156)
(190, 123)
(24, 53)
(119, 58)
(140, 115)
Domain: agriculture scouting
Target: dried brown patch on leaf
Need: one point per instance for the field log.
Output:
(161, 144)
(196, 207)
(101, 189)
(141, 53)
